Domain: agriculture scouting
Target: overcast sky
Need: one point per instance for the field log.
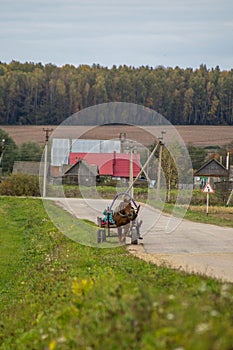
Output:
(183, 33)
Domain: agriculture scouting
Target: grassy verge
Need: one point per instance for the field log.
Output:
(218, 215)
(57, 294)
(221, 216)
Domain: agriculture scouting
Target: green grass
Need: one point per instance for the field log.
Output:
(196, 215)
(221, 216)
(57, 294)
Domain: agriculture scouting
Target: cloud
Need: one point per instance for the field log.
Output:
(178, 32)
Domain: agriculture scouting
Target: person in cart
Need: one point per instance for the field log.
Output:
(108, 217)
(125, 204)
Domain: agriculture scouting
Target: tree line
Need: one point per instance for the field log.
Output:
(36, 94)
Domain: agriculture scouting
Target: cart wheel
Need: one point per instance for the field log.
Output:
(134, 236)
(101, 236)
(98, 236)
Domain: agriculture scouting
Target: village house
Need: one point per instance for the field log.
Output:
(80, 173)
(116, 165)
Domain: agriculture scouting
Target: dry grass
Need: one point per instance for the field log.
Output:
(218, 212)
(212, 209)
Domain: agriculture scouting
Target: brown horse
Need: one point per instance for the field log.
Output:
(123, 215)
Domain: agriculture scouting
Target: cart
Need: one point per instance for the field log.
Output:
(126, 224)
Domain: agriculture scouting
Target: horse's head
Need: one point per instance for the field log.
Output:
(125, 214)
(127, 207)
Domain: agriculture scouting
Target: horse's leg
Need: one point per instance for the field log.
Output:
(119, 232)
(125, 232)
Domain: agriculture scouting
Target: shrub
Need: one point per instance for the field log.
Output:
(20, 185)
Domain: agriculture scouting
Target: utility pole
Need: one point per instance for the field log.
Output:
(160, 163)
(131, 147)
(47, 132)
(1, 157)
(228, 168)
(131, 171)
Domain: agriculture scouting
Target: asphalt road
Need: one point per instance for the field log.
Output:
(194, 247)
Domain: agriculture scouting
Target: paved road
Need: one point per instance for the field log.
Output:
(202, 248)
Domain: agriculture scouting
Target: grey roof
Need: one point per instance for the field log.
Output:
(212, 168)
(92, 168)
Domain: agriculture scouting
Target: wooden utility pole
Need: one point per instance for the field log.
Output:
(1, 156)
(131, 172)
(47, 132)
(159, 168)
(160, 163)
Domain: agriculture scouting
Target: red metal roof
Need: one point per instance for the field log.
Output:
(113, 164)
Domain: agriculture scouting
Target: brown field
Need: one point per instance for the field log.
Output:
(193, 135)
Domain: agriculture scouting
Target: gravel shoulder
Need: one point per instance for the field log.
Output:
(216, 265)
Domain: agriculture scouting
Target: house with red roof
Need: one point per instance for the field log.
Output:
(109, 164)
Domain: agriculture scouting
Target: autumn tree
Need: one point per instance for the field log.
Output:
(32, 93)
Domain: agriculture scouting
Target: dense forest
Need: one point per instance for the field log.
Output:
(32, 93)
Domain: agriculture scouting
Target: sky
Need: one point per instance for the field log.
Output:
(169, 33)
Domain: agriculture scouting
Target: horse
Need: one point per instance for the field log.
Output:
(123, 215)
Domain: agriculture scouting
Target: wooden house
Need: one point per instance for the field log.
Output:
(212, 171)
(80, 173)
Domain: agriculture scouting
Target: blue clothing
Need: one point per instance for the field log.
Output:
(108, 216)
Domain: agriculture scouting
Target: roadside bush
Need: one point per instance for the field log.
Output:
(217, 198)
(20, 185)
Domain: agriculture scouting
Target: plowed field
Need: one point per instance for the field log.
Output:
(195, 135)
